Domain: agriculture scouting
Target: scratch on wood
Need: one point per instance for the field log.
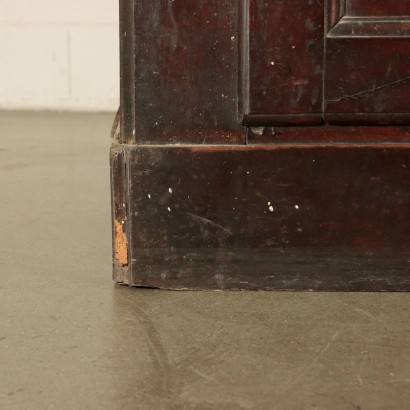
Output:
(121, 244)
(353, 96)
(209, 222)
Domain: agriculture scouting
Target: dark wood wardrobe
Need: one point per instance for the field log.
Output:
(263, 144)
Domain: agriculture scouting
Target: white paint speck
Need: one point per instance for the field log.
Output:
(272, 63)
(169, 209)
(149, 196)
(133, 132)
(170, 190)
(268, 203)
(257, 130)
(123, 205)
(271, 208)
(296, 206)
(233, 38)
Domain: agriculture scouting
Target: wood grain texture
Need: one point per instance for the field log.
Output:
(266, 217)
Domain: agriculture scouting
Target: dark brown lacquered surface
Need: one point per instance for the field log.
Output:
(284, 60)
(329, 134)
(368, 62)
(127, 71)
(186, 71)
(270, 217)
(377, 8)
(192, 71)
(352, 88)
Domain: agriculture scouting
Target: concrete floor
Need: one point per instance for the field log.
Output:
(70, 339)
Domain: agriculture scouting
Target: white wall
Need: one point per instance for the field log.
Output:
(59, 54)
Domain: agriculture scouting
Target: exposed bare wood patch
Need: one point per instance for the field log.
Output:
(121, 244)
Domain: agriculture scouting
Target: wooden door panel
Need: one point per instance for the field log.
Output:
(346, 61)
(282, 64)
(367, 75)
(374, 82)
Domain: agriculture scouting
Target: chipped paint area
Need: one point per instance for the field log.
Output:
(121, 244)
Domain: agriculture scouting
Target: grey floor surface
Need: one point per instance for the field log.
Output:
(70, 339)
